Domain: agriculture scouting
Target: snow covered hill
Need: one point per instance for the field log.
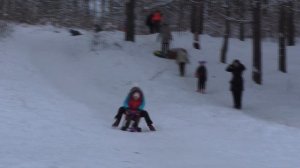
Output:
(58, 99)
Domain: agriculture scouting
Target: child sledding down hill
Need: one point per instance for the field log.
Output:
(133, 109)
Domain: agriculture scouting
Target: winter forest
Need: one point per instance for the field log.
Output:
(86, 13)
(149, 83)
(257, 19)
(179, 13)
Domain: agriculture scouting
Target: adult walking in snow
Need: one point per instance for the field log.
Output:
(134, 106)
(150, 23)
(156, 20)
(166, 37)
(237, 82)
(201, 74)
(182, 59)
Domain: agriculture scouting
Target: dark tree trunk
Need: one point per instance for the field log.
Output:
(282, 47)
(198, 11)
(257, 65)
(196, 31)
(224, 49)
(103, 6)
(86, 8)
(181, 16)
(242, 16)
(111, 6)
(3, 9)
(242, 32)
(290, 25)
(265, 10)
(130, 18)
(95, 9)
(193, 18)
(197, 17)
(201, 17)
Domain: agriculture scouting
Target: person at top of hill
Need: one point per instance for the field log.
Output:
(166, 36)
(156, 20)
(149, 23)
(133, 108)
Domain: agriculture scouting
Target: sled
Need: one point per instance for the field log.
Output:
(158, 54)
(131, 122)
(172, 53)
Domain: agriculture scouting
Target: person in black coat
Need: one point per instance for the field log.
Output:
(201, 74)
(149, 23)
(237, 82)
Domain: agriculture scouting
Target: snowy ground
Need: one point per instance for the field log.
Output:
(58, 99)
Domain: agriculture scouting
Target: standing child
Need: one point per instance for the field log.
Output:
(201, 74)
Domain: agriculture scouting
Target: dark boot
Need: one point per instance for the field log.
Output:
(135, 129)
(138, 129)
(116, 123)
(127, 124)
(182, 69)
(135, 126)
(123, 128)
(151, 127)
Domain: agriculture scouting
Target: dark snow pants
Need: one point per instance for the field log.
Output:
(151, 29)
(201, 84)
(156, 27)
(237, 98)
(182, 68)
(165, 49)
(143, 113)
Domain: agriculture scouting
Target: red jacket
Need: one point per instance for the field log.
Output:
(156, 17)
(134, 104)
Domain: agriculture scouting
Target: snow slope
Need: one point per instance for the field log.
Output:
(58, 99)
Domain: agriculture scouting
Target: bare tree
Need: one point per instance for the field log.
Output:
(242, 16)
(226, 33)
(197, 21)
(193, 18)
(290, 24)
(257, 65)
(181, 15)
(130, 18)
(282, 48)
(85, 13)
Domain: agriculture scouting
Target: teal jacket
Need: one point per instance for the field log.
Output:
(135, 89)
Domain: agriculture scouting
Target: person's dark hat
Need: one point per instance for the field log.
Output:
(236, 61)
